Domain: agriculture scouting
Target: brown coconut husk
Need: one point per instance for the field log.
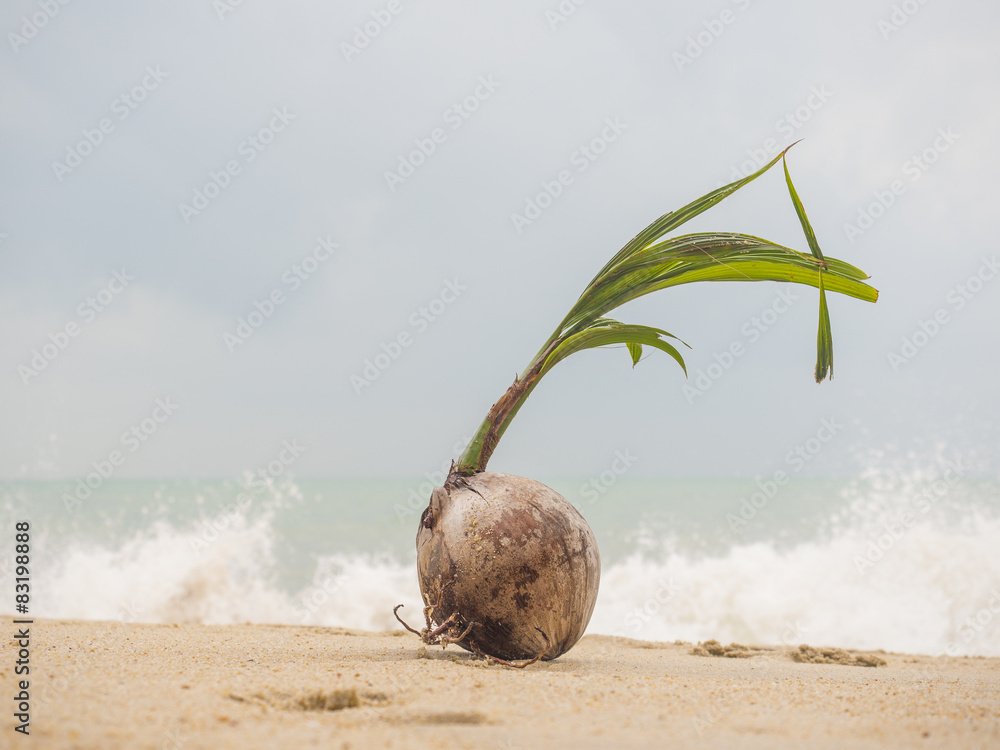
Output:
(511, 563)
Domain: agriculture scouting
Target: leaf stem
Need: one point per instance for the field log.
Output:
(477, 454)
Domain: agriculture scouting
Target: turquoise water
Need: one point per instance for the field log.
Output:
(902, 561)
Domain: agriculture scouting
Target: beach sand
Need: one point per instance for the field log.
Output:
(113, 685)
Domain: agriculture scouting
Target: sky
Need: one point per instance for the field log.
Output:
(239, 232)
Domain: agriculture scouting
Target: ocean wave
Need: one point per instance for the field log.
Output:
(918, 587)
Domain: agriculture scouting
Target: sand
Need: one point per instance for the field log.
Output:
(111, 685)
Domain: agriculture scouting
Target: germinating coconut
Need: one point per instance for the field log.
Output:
(507, 567)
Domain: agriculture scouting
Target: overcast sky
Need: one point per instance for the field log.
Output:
(340, 174)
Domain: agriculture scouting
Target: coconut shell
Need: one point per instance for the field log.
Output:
(513, 556)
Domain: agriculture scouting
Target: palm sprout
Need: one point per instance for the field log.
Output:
(652, 261)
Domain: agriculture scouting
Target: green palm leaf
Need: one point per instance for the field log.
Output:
(609, 331)
(708, 257)
(824, 338)
(635, 351)
(651, 262)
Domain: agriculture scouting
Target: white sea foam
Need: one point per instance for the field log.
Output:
(871, 580)
(931, 592)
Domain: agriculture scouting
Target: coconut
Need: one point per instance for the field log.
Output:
(512, 562)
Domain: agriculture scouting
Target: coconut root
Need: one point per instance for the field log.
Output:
(505, 662)
(450, 631)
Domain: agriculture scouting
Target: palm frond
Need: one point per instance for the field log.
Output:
(649, 262)
(824, 338)
(607, 332)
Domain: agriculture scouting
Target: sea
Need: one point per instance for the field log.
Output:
(904, 560)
